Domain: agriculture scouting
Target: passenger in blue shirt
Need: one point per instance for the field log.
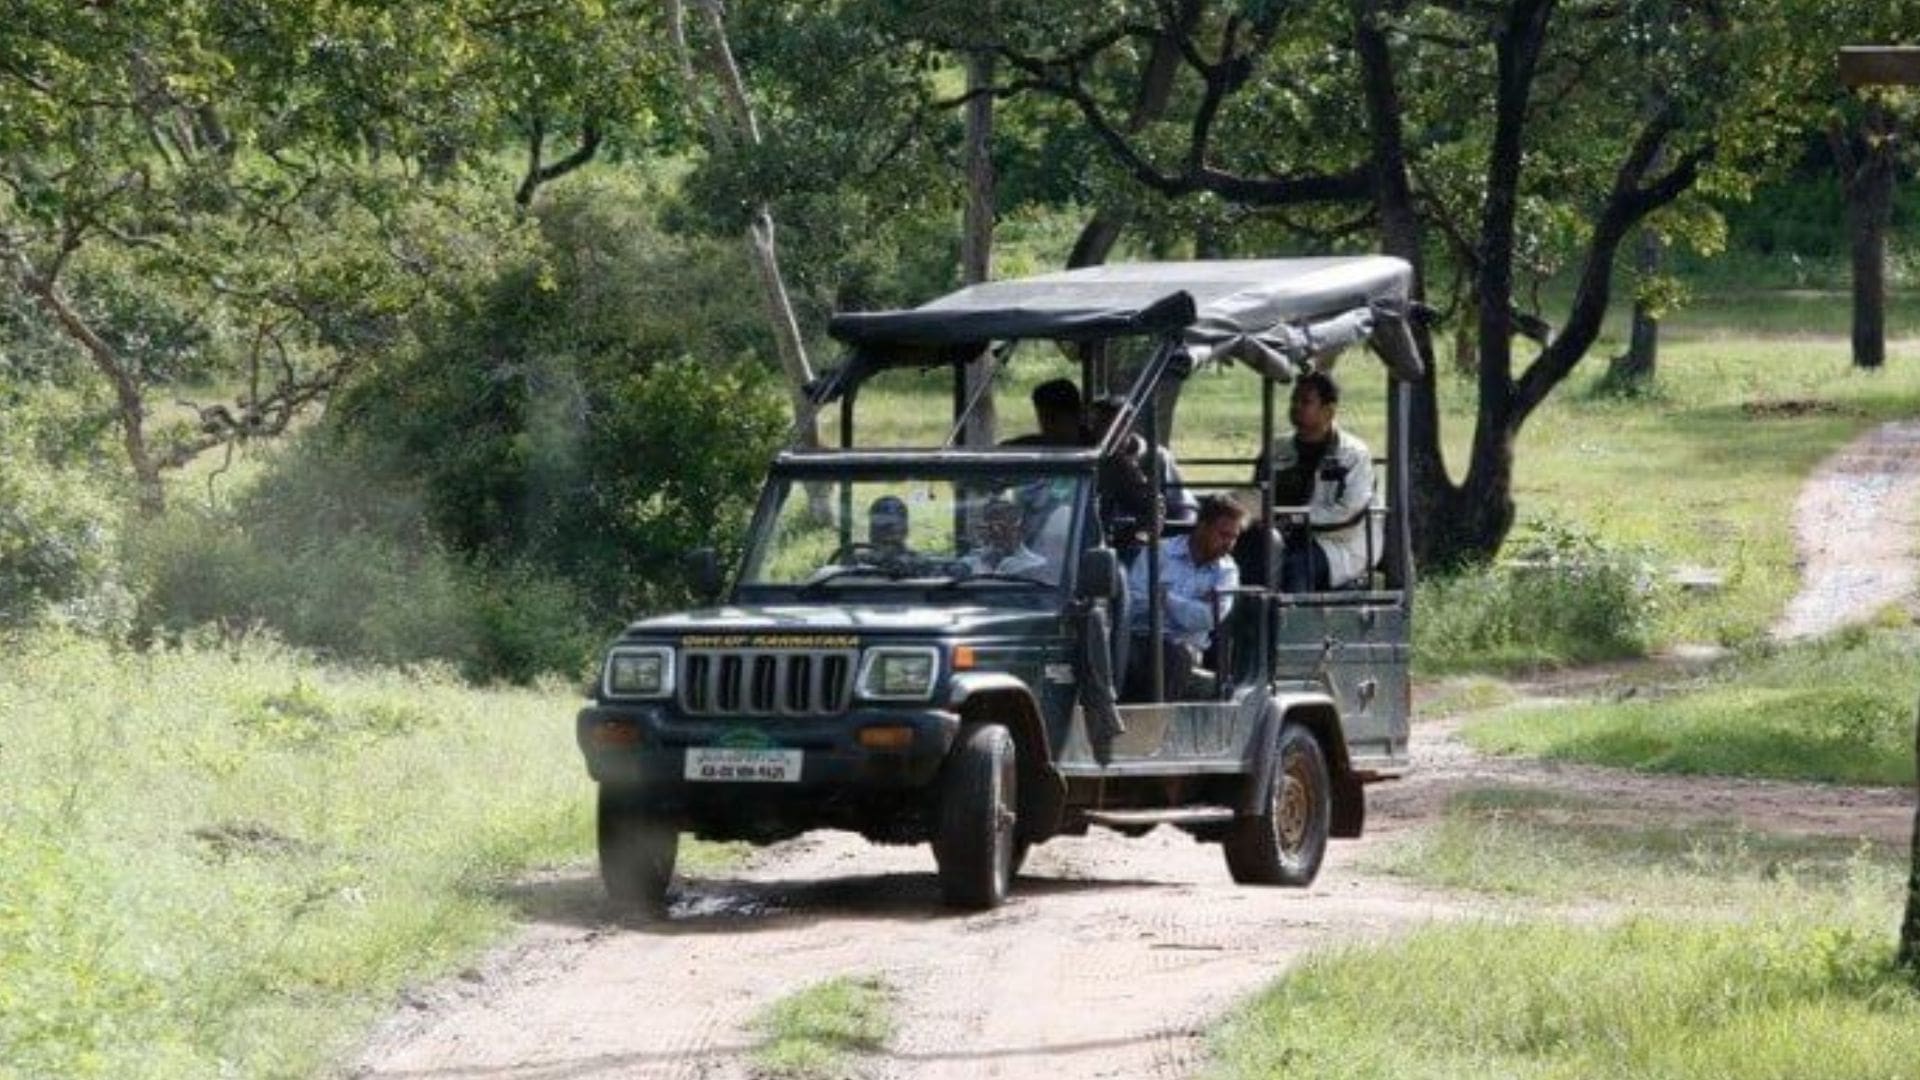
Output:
(1197, 579)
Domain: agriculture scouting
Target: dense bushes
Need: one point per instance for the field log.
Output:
(599, 414)
(503, 494)
(57, 557)
(1562, 597)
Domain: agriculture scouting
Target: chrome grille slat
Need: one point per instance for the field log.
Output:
(766, 682)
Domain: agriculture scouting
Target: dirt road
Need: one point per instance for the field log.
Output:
(1111, 959)
(1114, 954)
(1855, 525)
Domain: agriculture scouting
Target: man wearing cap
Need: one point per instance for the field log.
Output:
(887, 531)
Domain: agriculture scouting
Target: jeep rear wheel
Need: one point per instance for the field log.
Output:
(1284, 843)
(973, 842)
(637, 850)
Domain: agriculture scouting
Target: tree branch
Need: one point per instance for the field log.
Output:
(1628, 204)
(538, 174)
(1352, 184)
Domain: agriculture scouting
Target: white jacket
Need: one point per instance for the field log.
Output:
(1342, 494)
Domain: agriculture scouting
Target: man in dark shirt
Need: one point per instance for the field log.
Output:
(1327, 472)
(1057, 409)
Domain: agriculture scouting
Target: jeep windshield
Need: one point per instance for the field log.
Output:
(961, 534)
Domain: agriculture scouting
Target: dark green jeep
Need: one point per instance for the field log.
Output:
(931, 644)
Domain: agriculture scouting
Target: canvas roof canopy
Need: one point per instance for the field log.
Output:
(1272, 314)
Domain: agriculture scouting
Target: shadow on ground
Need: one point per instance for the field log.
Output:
(735, 906)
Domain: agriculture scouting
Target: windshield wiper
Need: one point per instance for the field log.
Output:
(851, 571)
(991, 575)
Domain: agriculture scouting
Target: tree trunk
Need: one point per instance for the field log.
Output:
(736, 122)
(1866, 160)
(129, 399)
(1451, 523)
(1909, 955)
(1869, 212)
(1466, 344)
(1102, 231)
(976, 241)
(1636, 367)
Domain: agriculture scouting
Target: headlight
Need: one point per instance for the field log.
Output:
(639, 672)
(899, 674)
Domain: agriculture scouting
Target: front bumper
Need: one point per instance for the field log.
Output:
(647, 745)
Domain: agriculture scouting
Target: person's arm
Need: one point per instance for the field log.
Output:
(1187, 614)
(1350, 500)
(1182, 506)
(1228, 581)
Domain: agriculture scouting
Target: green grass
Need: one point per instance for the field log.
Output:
(1645, 999)
(1840, 710)
(1527, 844)
(820, 1032)
(228, 862)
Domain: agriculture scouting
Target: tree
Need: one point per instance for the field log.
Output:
(276, 183)
(1866, 151)
(1536, 143)
(1863, 134)
(728, 115)
(976, 234)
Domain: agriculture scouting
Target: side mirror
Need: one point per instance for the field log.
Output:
(703, 569)
(1099, 573)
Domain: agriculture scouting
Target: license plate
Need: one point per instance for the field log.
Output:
(751, 766)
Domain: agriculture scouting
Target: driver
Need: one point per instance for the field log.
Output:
(1002, 547)
(887, 531)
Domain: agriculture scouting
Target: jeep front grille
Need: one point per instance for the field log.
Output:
(752, 682)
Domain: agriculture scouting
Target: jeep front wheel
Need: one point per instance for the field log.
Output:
(637, 850)
(1284, 843)
(973, 841)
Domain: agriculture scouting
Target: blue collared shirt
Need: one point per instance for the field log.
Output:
(1190, 589)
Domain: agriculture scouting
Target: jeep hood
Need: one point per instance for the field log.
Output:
(865, 620)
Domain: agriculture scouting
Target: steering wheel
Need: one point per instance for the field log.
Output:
(854, 551)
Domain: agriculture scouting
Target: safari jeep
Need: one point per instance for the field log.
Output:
(928, 644)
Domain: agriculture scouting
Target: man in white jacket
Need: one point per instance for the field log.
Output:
(1329, 472)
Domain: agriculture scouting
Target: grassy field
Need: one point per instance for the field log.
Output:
(1839, 710)
(1696, 951)
(819, 1032)
(225, 863)
(1645, 998)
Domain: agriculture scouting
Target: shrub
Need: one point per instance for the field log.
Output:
(359, 593)
(56, 546)
(1562, 597)
(603, 409)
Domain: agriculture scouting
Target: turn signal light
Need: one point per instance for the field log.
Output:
(886, 738)
(962, 657)
(617, 734)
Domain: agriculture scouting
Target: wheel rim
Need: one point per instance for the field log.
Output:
(1003, 822)
(1293, 811)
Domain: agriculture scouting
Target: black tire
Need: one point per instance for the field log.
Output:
(974, 839)
(1284, 843)
(637, 851)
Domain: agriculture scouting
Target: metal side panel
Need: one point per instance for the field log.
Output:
(1170, 739)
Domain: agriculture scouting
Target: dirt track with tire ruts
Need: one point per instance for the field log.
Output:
(1113, 956)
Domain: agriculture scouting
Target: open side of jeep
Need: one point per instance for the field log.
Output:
(887, 662)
